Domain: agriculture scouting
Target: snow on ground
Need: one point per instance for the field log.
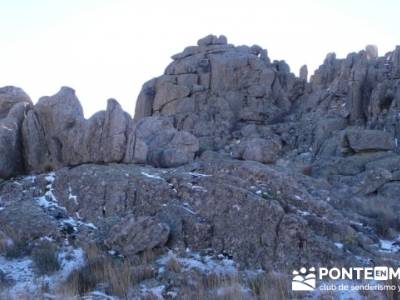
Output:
(154, 291)
(389, 245)
(197, 188)
(186, 207)
(20, 272)
(153, 176)
(195, 174)
(339, 245)
(72, 197)
(30, 178)
(98, 295)
(76, 223)
(70, 260)
(49, 201)
(205, 264)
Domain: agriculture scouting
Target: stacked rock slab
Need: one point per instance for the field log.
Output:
(215, 88)
(14, 102)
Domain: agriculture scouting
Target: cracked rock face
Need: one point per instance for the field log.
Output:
(247, 210)
(56, 134)
(14, 103)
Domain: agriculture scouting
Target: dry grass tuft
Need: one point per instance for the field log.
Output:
(45, 258)
(173, 265)
(270, 286)
(393, 295)
(117, 274)
(385, 216)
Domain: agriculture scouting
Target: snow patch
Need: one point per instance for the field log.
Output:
(70, 260)
(204, 264)
(97, 294)
(195, 174)
(50, 177)
(76, 223)
(6, 128)
(72, 197)
(339, 245)
(389, 246)
(197, 188)
(30, 178)
(21, 272)
(303, 213)
(188, 209)
(155, 291)
(153, 176)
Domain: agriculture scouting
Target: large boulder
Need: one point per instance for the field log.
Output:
(132, 236)
(14, 103)
(155, 141)
(258, 149)
(360, 140)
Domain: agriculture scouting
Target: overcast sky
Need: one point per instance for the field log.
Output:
(108, 49)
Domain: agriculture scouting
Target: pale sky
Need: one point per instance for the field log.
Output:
(108, 49)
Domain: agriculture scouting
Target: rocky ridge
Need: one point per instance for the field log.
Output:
(229, 154)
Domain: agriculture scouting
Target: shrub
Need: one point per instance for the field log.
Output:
(270, 286)
(13, 244)
(45, 258)
(17, 249)
(173, 265)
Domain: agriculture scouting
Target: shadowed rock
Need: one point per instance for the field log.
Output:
(14, 103)
(56, 134)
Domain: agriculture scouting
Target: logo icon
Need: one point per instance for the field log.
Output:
(303, 280)
(381, 273)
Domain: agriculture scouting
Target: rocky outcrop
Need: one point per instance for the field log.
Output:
(213, 88)
(56, 134)
(14, 103)
(251, 212)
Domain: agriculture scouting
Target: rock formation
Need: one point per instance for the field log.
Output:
(14, 103)
(56, 134)
(230, 163)
(214, 88)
